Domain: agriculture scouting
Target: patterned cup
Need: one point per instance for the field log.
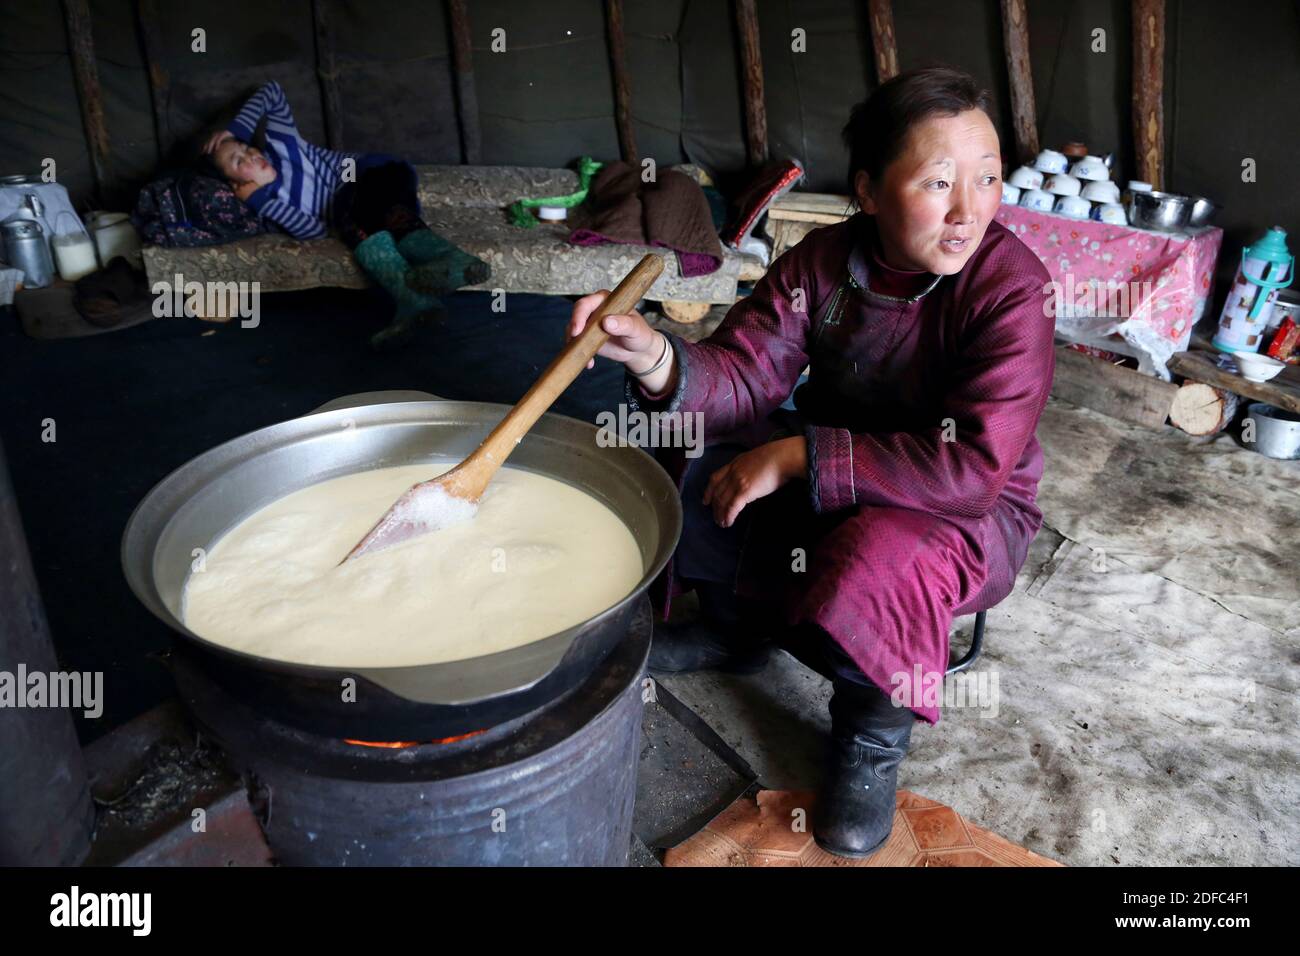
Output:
(1062, 184)
(1050, 161)
(1101, 191)
(1091, 168)
(1111, 212)
(1026, 178)
(1037, 199)
(1076, 207)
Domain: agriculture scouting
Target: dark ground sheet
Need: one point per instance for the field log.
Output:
(131, 406)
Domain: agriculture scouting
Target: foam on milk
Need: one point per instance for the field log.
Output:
(538, 556)
(435, 508)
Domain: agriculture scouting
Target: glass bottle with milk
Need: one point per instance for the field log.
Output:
(74, 251)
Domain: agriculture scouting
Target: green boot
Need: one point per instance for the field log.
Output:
(379, 257)
(440, 265)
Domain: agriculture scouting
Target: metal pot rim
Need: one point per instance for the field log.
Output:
(1155, 194)
(150, 519)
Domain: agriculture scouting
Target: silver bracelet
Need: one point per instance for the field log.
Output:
(659, 364)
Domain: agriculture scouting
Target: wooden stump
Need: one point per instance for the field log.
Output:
(751, 269)
(1112, 390)
(688, 313)
(1201, 409)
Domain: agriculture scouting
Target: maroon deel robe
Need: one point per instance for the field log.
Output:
(920, 417)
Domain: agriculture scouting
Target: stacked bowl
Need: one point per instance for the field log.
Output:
(1081, 189)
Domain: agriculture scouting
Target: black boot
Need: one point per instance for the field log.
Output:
(381, 259)
(681, 648)
(869, 738)
(439, 266)
(723, 637)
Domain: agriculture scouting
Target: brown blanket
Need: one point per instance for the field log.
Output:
(670, 212)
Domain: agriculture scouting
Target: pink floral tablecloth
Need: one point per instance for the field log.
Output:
(1149, 287)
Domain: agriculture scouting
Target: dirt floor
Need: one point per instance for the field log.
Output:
(1145, 665)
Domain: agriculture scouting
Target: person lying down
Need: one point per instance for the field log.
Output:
(370, 199)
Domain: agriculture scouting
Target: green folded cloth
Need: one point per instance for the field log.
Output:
(521, 211)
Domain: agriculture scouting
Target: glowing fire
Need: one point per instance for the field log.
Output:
(399, 744)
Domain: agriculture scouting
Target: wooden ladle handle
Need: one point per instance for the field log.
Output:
(559, 375)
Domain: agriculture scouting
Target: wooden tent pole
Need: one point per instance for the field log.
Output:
(880, 13)
(1148, 89)
(1015, 35)
(81, 46)
(751, 60)
(466, 98)
(159, 81)
(622, 88)
(327, 73)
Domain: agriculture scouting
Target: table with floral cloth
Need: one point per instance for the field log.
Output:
(1148, 287)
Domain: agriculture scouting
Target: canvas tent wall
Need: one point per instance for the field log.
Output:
(1232, 75)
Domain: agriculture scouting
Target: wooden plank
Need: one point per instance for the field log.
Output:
(327, 73)
(831, 203)
(1283, 391)
(751, 61)
(1024, 117)
(1111, 389)
(796, 216)
(146, 12)
(81, 46)
(786, 233)
(880, 14)
(622, 87)
(471, 139)
(1148, 90)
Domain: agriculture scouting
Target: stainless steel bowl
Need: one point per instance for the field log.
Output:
(1164, 212)
(1202, 212)
(1277, 431)
(203, 499)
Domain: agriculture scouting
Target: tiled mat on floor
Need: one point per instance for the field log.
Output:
(777, 831)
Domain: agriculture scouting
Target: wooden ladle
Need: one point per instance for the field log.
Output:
(451, 497)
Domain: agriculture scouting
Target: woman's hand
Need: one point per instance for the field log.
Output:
(755, 474)
(216, 139)
(631, 340)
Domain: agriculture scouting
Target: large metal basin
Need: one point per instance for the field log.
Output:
(200, 501)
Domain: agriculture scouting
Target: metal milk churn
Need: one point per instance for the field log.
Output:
(25, 245)
(26, 248)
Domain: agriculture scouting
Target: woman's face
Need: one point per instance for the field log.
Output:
(934, 201)
(242, 163)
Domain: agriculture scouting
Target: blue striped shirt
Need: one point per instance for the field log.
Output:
(307, 176)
